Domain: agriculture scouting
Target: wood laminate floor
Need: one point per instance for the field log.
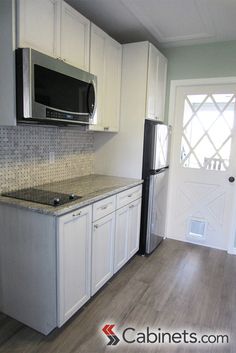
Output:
(180, 286)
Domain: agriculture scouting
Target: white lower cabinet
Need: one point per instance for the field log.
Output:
(134, 227)
(121, 238)
(102, 251)
(94, 242)
(74, 259)
(127, 233)
(52, 265)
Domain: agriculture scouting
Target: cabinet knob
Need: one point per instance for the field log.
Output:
(95, 226)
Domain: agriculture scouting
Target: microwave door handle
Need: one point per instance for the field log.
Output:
(91, 93)
(66, 111)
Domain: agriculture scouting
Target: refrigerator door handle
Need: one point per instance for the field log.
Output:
(157, 171)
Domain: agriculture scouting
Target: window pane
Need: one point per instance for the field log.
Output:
(207, 127)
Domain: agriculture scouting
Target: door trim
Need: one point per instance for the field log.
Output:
(174, 85)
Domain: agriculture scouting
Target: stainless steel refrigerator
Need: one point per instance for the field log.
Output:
(155, 176)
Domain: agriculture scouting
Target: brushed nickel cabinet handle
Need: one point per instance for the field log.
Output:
(77, 214)
(131, 206)
(104, 207)
(96, 226)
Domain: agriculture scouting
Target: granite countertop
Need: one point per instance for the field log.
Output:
(92, 188)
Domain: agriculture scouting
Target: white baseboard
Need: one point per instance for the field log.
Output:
(231, 251)
(201, 244)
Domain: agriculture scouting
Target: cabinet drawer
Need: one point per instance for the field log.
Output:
(127, 196)
(104, 207)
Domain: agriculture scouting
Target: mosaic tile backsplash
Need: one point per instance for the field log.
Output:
(25, 151)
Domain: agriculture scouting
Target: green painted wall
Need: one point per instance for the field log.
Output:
(200, 61)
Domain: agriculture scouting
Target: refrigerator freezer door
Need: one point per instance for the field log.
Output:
(161, 146)
(156, 210)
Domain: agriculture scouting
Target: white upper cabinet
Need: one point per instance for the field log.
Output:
(105, 63)
(152, 83)
(97, 67)
(75, 30)
(56, 29)
(112, 85)
(39, 25)
(161, 87)
(156, 84)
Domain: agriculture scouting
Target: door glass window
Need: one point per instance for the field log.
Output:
(207, 131)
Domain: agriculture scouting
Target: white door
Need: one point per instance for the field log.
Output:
(111, 108)
(75, 30)
(156, 84)
(98, 67)
(201, 197)
(74, 258)
(39, 25)
(121, 238)
(161, 87)
(102, 251)
(152, 83)
(134, 227)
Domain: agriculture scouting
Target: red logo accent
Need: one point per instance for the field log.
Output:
(107, 329)
(113, 338)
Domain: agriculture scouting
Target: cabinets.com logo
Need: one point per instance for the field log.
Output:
(156, 336)
(113, 338)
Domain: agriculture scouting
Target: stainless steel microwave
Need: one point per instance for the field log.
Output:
(52, 91)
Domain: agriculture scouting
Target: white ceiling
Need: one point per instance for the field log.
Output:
(168, 22)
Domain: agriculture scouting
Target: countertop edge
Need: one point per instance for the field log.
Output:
(71, 208)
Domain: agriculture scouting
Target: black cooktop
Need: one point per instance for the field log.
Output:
(44, 197)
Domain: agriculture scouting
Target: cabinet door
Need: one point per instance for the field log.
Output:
(152, 83)
(161, 87)
(74, 258)
(102, 251)
(134, 227)
(121, 238)
(97, 67)
(112, 85)
(156, 84)
(105, 63)
(74, 37)
(39, 25)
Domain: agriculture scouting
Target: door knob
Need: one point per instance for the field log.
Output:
(231, 179)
